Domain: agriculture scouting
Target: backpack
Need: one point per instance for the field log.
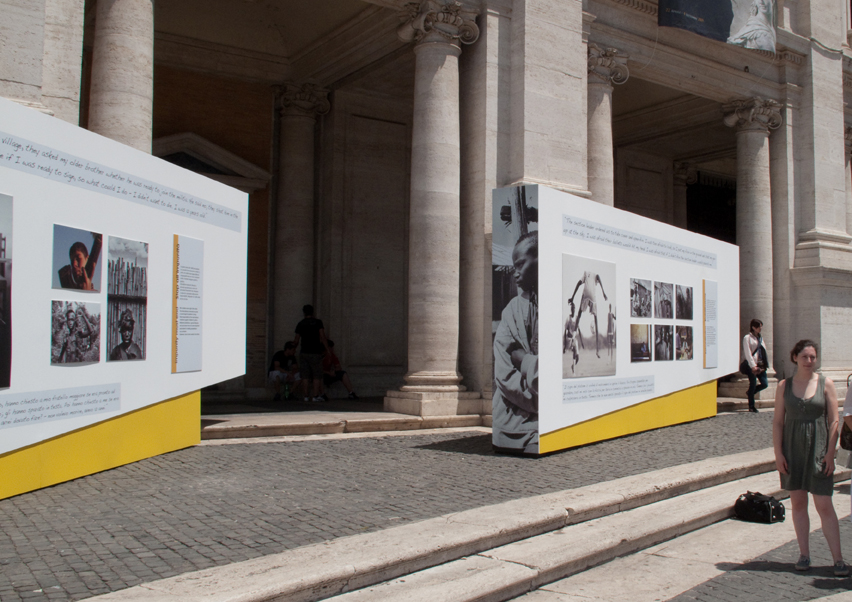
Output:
(759, 508)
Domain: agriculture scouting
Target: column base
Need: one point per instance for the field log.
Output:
(738, 388)
(433, 403)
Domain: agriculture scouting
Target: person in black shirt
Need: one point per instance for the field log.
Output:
(311, 333)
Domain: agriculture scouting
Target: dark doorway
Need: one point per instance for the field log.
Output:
(711, 207)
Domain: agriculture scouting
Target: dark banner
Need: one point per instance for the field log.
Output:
(746, 23)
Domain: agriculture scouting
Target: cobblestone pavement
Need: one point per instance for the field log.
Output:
(771, 576)
(216, 504)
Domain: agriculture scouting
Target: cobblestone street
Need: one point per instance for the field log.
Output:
(217, 504)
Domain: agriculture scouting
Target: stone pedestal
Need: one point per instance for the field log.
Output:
(121, 104)
(607, 66)
(293, 283)
(753, 118)
(433, 381)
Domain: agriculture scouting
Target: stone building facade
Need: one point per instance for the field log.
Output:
(370, 134)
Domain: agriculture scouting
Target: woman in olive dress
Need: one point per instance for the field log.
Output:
(804, 432)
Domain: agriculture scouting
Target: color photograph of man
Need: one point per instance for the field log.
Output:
(641, 298)
(76, 332)
(591, 283)
(75, 259)
(683, 342)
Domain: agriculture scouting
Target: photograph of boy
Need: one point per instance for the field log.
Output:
(663, 295)
(76, 332)
(75, 259)
(683, 305)
(641, 298)
(515, 314)
(640, 343)
(127, 299)
(683, 342)
(663, 350)
(588, 286)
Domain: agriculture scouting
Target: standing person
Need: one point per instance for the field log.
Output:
(311, 333)
(515, 401)
(755, 362)
(610, 330)
(588, 302)
(804, 434)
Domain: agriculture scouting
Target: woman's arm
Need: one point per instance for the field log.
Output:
(832, 420)
(748, 354)
(778, 429)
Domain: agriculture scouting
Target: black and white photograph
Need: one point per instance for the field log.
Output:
(683, 342)
(76, 333)
(588, 314)
(641, 298)
(515, 320)
(683, 303)
(76, 259)
(5, 290)
(663, 343)
(663, 297)
(640, 343)
(127, 299)
(747, 23)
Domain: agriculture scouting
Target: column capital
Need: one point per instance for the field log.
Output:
(607, 65)
(684, 174)
(448, 21)
(307, 100)
(753, 114)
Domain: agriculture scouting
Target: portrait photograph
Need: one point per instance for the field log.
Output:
(640, 343)
(683, 304)
(683, 342)
(127, 299)
(641, 298)
(514, 281)
(663, 343)
(75, 333)
(663, 297)
(588, 317)
(76, 259)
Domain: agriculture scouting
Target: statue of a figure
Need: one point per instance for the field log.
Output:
(759, 31)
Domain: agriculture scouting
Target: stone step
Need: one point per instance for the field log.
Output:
(739, 389)
(517, 568)
(320, 571)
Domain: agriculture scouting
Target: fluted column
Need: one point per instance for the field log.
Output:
(607, 66)
(437, 28)
(684, 175)
(293, 286)
(122, 90)
(753, 118)
(848, 141)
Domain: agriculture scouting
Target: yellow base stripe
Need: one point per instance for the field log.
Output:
(154, 430)
(687, 405)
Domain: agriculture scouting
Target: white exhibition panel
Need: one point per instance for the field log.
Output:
(639, 248)
(42, 199)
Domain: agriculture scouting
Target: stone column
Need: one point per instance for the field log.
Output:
(753, 118)
(437, 27)
(293, 284)
(607, 66)
(684, 174)
(848, 140)
(122, 91)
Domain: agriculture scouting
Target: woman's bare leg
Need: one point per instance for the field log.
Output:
(830, 527)
(801, 521)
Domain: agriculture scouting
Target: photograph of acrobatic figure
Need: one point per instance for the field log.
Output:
(578, 358)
